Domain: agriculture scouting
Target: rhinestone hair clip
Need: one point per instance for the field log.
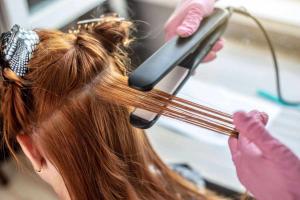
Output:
(16, 49)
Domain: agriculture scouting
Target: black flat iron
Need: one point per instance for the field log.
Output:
(172, 65)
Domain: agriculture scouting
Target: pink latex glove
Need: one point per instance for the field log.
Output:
(266, 167)
(186, 20)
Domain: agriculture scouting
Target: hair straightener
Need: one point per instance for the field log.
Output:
(172, 65)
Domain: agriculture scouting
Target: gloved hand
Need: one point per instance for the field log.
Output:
(186, 20)
(266, 167)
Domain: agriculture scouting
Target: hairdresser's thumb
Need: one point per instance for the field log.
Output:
(191, 22)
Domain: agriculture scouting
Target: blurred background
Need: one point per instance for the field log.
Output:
(229, 83)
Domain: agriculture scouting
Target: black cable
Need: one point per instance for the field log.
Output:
(272, 49)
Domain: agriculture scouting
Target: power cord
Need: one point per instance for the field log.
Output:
(244, 12)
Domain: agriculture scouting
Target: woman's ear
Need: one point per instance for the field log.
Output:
(31, 151)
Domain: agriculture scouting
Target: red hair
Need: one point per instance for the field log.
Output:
(71, 102)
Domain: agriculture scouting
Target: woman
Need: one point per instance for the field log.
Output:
(266, 167)
(59, 101)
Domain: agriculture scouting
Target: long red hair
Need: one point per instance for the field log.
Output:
(68, 99)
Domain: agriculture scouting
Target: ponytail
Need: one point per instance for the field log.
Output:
(115, 36)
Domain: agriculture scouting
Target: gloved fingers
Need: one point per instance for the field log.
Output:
(171, 28)
(278, 153)
(248, 149)
(234, 150)
(210, 56)
(213, 54)
(191, 22)
(175, 21)
(264, 118)
(260, 116)
(244, 122)
(169, 34)
(187, 17)
(219, 45)
(249, 127)
(233, 145)
(240, 119)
